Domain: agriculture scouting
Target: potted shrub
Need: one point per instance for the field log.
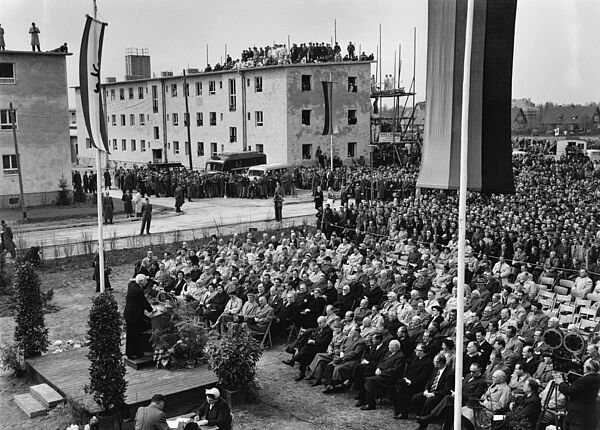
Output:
(107, 370)
(233, 358)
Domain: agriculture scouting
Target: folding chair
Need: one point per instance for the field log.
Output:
(587, 327)
(546, 299)
(587, 314)
(565, 309)
(583, 303)
(266, 341)
(560, 299)
(566, 283)
(546, 280)
(563, 291)
(294, 331)
(565, 320)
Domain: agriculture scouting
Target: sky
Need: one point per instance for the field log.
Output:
(556, 54)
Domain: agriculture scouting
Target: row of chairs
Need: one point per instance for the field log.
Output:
(582, 313)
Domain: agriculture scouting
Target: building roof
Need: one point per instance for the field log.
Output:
(571, 114)
(236, 71)
(514, 114)
(53, 54)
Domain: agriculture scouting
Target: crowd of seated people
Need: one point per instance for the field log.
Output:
(369, 301)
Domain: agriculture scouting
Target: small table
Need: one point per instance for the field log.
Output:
(187, 417)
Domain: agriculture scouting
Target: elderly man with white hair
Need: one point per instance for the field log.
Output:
(582, 285)
(135, 305)
(496, 398)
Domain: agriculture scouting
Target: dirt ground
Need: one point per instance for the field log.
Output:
(284, 404)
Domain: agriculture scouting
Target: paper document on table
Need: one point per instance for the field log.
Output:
(173, 423)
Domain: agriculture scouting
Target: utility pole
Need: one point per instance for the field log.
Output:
(187, 115)
(13, 114)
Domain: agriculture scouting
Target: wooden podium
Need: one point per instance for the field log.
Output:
(153, 321)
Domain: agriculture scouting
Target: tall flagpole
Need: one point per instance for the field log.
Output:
(462, 214)
(331, 134)
(99, 194)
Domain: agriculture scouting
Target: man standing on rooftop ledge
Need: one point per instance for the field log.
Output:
(2, 44)
(35, 38)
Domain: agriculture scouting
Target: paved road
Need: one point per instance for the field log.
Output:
(199, 218)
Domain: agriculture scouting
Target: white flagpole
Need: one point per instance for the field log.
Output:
(462, 214)
(99, 190)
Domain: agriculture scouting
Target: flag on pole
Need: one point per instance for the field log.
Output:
(330, 126)
(90, 57)
(489, 154)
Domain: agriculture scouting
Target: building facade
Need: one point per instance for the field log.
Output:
(278, 110)
(36, 85)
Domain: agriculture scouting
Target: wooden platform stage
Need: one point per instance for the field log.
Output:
(68, 373)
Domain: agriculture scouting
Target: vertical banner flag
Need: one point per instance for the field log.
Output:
(489, 153)
(330, 126)
(90, 57)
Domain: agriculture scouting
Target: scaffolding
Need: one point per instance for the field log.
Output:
(392, 132)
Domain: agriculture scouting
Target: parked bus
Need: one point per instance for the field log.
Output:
(234, 161)
(275, 169)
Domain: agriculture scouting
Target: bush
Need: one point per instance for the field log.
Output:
(11, 359)
(107, 370)
(6, 287)
(31, 334)
(64, 193)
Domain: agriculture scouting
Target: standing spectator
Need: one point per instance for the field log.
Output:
(179, 199)
(7, 243)
(35, 38)
(582, 410)
(146, 216)
(2, 44)
(351, 51)
(107, 180)
(108, 208)
(278, 202)
(128, 203)
(135, 305)
(138, 202)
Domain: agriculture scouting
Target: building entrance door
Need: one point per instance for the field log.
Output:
(157, 155)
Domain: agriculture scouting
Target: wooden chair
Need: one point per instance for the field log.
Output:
(566, 283)
(563, 291)
(583, 303)
(588, 314)
(587, 327)
(266, 341)
(546, 280)
(294, 331)
(546, 299)
(560, 299)
(565, 320)
(565, 309)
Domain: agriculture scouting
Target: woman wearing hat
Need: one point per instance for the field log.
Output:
(214, 411)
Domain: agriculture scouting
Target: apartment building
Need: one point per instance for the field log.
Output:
(278, 110)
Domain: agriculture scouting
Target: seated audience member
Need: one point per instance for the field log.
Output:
(261, 320)
(517, 380)
(375, 353)
(318, 364)
(528, 405)
(386, 374)
(214, 411)
(317, 342)
(338, 373)
(414, 381)
(495, 399)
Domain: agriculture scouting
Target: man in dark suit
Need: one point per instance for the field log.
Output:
(135, 305)
(146, 216)
(338, 372)
(439, 385)
(582, 410)
(368, 364)
(152, 417)
(414, 380)
(528, 405)
(387, 373)
(484, 347)
(317, 342)
(214, 411)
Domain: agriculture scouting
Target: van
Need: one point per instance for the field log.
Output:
(567, 147)
(234, 161)
(275, 169)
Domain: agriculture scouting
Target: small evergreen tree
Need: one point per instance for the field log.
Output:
(31, 334)
(64, 196)
(107, 370)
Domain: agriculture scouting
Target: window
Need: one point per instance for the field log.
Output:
(259, 118)
(187, 148)
(212, 87)
(213, 118)
(199, 119)
(352, 117)
(88, 143)
(114, 120)
(352, 88)
(305, 82)
(175, 119)
(260, 148)
(9, 164)
(221, 115)
(232, 134)
(6, 119)
(115, 146)
(220, 85)
(306, 151)
(133, 145)
(198, 88)
(112, 94)
(156, 133)
(258, 84)
(305, 117)
(132, 120)
(143, 145)
(7, 73)
(351, 149)
(232, 95)
(222, 148)
(213, 149)
(248, 82)
(123, 144)
(173, 90)
(140, 92)
(131, 94)
(249, 116)
(154, 99)
(123, 120)
(142, 119)
(200, 149)
(175, 147)
(186, 119)
(121, 93)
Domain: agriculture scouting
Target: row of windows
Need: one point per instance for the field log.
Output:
(352, 120)
(307, 150)
(173, 118)
(7, 73)
(115, 146)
